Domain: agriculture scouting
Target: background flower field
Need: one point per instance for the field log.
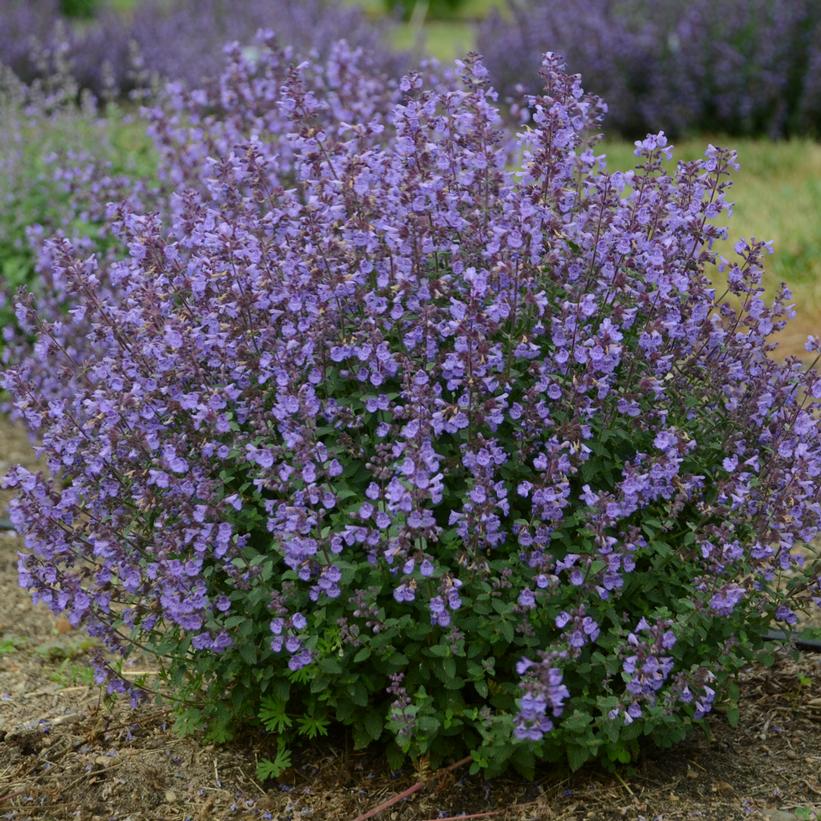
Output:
(91, 120)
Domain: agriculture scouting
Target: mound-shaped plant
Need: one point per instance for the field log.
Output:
(716, 66)
(461, 457)
(172, 40)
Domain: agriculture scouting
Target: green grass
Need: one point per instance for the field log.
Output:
(446, 40)
(468, 10)
(11, 644)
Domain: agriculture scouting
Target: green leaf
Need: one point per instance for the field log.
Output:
(359, 695)
(267, 768)
(362, 654)
(576, 756)
(373, 724)
(506, 629)
(273, 716)
(248, 653)
(524, 762)
(577, 722)
(345, 711)
(428, 724)
(395, 756)
(313, 726)
(330, 665)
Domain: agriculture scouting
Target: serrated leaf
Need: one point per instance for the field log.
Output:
(362, 654)
(268, 768)
(576, 756)
(395, 756)
(373, 724)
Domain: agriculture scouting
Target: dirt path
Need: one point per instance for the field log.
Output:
(67, 753)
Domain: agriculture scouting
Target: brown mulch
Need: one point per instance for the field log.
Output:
(68, 753)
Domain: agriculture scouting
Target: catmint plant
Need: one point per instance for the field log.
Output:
(62, 161)
(177, 40)
(716, 66)
(388, 421)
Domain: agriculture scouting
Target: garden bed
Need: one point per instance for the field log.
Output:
(67, 753)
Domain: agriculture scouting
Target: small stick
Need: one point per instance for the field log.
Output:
(410, 791)
(251, 780)
(67, 787)
(485, 814)
(624, 784)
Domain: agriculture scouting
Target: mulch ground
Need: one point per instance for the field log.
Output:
(68, 753)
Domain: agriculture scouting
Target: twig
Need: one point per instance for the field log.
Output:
(624, 784)
(43, 724)
(52, 691)
(251, 780)
(485, 814)
(125, 673)
(419, 785)
(11, 795)
(65, 788)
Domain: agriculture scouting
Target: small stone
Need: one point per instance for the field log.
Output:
(779, 815)
(102, 761)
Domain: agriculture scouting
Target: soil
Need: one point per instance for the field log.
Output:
(68, 753)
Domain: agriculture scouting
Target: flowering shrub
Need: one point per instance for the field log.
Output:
(712, 65)
(375, 431)
(195, 129)
(64, 184)
(60, 165)
(37, 39)
(180, 41)
(307, 26)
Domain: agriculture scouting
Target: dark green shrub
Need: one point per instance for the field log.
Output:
(434, 9)
(79, 8)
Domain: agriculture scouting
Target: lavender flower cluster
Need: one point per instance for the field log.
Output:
(61, 163)
(455, 438)
(728, 66)
(180, 41)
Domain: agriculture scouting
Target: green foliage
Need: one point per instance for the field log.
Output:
(274, 768)
(11, 644)
(62, 649)
(461, 693)
(78, 8)
(71, 674)
(435, 9)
